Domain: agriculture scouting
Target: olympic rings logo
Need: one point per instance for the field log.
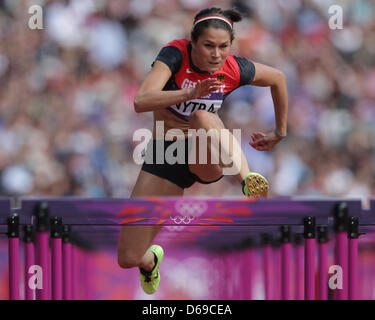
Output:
(189, 210)
(182, 219)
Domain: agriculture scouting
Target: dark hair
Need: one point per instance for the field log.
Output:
(231, 14)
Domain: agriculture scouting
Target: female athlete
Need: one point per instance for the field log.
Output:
(184, 89)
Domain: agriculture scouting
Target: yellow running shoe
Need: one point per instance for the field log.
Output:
(150, 279)
(255, 185)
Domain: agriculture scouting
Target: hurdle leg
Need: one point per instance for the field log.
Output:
(87, 275)
(230, 275)
(309, 235)
(285, 271)
(82, 270)
(341, 256)
(276, 269)
(224, 272)
(218, 264)
(267, 266)
(341, 249)
(241, 277)
(298, 272)
(244, 274)
(353, 269)
(268, 272)
(67, 264)
(13, 258)
(42, 260)
(42, 248)
(323, 262)
(285, 262)
(75, 276)
(250, 271)
(56, 254)
(240, 281)
(353, 258)
(29, 259)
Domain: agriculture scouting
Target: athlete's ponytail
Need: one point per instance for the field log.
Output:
(232, 15)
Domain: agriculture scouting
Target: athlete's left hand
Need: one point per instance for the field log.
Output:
(264, 141)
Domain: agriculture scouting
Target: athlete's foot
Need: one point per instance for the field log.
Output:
(150, 279)
(255, 185)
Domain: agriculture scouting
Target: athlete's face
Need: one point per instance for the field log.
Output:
(211, 49)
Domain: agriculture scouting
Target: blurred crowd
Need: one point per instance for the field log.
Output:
(66, 94)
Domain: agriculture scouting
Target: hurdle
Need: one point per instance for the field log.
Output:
(267, 265)
(298, 272)
(231, 229)
(13, 249)
(67, 263)
(249, 267)
(42, 247)
(341, 248)
(56, 248)
(353, 236)
(309, 235)
(286, 257)
(323, 262)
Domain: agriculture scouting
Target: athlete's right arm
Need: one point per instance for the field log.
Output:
(150, 96)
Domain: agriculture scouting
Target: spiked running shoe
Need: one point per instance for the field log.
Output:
(255, 185)
(150, 279)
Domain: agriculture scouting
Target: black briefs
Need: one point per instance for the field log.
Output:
(177, 173)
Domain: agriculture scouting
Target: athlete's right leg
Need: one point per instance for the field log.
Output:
(254, 184)
(135, 240)
(225, 141)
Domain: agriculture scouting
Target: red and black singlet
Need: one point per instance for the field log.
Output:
(234, 73)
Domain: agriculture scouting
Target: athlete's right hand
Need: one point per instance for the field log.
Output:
(203, 88)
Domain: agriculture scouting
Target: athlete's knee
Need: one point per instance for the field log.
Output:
(199, 118)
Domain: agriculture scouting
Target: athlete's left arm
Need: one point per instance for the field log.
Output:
(266, 76)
